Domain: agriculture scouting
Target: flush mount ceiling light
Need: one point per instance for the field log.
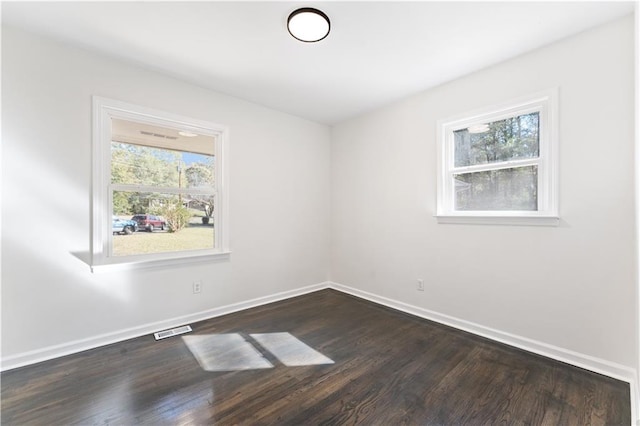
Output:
(308, 25)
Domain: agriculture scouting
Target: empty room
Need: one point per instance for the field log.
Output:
(292, 213)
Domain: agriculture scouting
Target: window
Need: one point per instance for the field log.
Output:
(499, 165)
(159, 193)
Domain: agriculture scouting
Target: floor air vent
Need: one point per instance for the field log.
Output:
(173, 332)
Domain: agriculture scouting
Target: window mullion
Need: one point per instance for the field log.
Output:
(161, 189)
(496, 166)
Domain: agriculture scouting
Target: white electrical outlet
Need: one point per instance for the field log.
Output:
(197, 287)
(420, 286)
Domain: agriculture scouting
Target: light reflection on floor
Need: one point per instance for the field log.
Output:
(231, 352)
(225, 352)
(289, 350)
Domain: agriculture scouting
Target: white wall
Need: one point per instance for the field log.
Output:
(570, 286)
(279, 200)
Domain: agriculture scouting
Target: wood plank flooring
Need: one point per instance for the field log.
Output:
(388, 368)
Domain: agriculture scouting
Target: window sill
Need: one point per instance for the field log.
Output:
(499, 220)
(160, 262)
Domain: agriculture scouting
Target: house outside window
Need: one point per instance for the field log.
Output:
(159, 188)
(499, 165)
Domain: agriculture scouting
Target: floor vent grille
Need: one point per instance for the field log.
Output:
(173, 332)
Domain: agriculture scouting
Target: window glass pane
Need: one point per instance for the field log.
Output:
(505, 189)
(144, 165)
(161, 222)
(509, 139)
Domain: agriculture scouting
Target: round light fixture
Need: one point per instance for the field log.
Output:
(308, 25)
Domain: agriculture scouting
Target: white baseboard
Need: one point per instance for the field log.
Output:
(601, 366)
(56, 351)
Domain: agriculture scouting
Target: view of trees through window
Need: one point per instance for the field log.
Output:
(169, 194)
(482, 183)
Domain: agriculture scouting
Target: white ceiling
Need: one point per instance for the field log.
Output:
(377, 52)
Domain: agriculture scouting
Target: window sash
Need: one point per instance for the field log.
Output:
(216, 241)
(449, 184)
(497, 194)
(493, 120)
(511, 164)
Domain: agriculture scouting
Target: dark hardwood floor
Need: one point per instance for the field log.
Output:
(388, 368)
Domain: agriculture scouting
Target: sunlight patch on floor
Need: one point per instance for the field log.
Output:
(225, 352)
(289, 350)
(233, 352)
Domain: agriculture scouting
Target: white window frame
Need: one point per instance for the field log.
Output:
(104, 110)
(545, 103)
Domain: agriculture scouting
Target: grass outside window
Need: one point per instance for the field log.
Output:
(195, 236)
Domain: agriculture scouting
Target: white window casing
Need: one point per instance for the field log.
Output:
(102, 258)
(546, 213)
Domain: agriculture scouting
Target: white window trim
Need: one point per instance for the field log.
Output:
(101, 260)
(546, 103)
